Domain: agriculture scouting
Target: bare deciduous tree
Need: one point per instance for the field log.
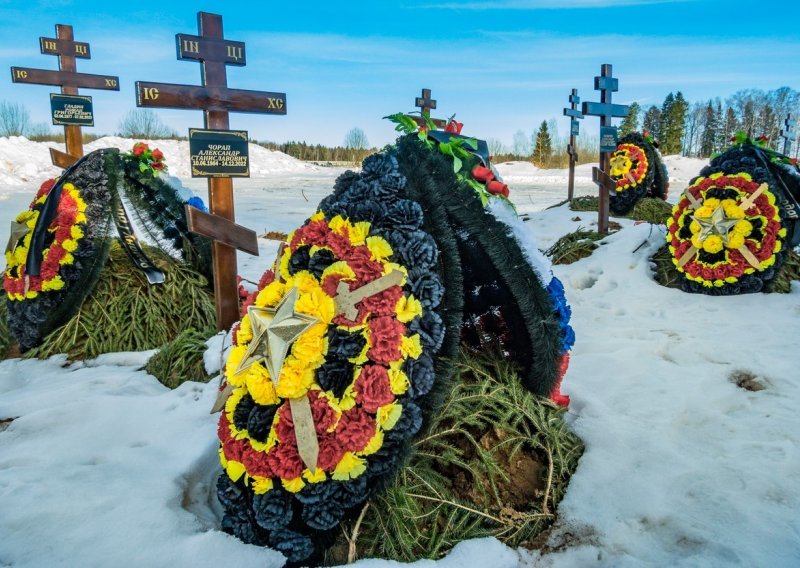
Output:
(144, 123)
(14, 119)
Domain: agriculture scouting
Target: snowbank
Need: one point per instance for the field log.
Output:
(23, 162)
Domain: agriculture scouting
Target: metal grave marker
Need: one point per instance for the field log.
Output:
(216, 100)
(69, 114)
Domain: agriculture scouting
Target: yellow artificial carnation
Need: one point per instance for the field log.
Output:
(408, 308)
(245, 332)
(293, 485)
(234, 359)
(69, 245)
(271, 294)
(349, 467)
(379, 248)
(339, 267)
(411, 346)
(313, 301)
(317, 477)
(310, 347)
(348, 399)
(260, 386)
(359, 233)
(735, 240)
(235, 470)
(743, 227)
(233, 401)
(713, 244)
(262, 484)
(398, 380)
(295, 380)
(55, 283)
(696, 242)
(375, 443)
(283, 266)
(339, 224)
(304, 281)
(388, 415)
(318, 216)
(694, 228)
(732, 210)
(76, 232)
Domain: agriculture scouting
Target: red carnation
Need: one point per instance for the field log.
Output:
(386, 334)
(285, 461)
(157, 165)
(330, 452)
(497, 188)
(482, 174)
(139, 148)
(324, 416)
(355, 430)
(372, 386)
(256, 463)
(158, 155)
(383, 304)
(45, 188)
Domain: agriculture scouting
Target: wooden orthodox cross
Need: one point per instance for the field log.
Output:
(606, 84)
(425, 103)
(214, 97)
(68, 50)
(574, 130)
(789, 134)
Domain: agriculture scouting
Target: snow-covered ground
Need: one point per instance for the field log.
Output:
(104, 466)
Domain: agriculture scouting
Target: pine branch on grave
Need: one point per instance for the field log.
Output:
(125, 314)
(496, 462)
(181, 360)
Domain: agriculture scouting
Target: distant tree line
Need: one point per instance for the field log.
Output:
(702, 128)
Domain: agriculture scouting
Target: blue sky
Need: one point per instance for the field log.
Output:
(499, 65)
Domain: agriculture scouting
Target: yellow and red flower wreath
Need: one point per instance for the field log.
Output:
(66, 230)
(349, 426)
(755, 237)
(628, 166)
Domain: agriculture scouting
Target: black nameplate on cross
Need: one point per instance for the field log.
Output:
(67, 50)
(606, 110)
(574, 129)
(214, 53)
(789, 134)
(426, 104)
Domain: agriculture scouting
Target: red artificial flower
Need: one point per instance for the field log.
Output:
(45, 188)
(454, 127)
(158, 155)
(284, 459)
(556, 396)
(482, 174)
(373, 388)
(383, 304)
(256, 463)
(324, 416)
(386, 334)
(497, 188)
(157, 165)
(139, 148)
(330, 452)
(355, 429)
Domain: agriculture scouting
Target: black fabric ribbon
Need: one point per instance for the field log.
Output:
(131, 245)
(482, 153)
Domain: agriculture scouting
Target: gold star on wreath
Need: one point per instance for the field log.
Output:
(620, 163)
(18, 232)
(717, 224)
(274, 331)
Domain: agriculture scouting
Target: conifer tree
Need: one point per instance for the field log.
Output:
(708, 141)
(652, 122)
(544, 146)
(631, 122)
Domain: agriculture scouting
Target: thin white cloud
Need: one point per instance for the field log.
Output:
(543, 4)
